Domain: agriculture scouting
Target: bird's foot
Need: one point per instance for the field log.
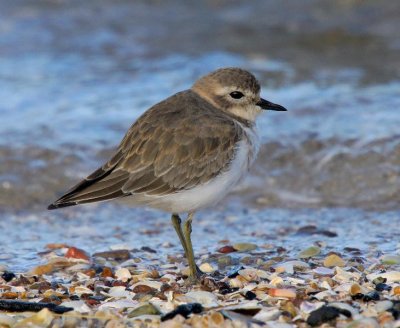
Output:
(195, 277)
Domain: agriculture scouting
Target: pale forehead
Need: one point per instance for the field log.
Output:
(235, 78)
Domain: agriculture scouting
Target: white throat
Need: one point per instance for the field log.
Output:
(249, 113)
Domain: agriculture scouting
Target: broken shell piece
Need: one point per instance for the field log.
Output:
(282, 292)
(78, 306)
(41, 319)
(345, 276)
(322, 271)
(120, 304)
(143, 309)
(206, 299)
(119, 291)
(309, 252)
(334, 260)
(79, 290)
(267, 315)
(150, 283)
(7, 320)
(238, 282)
(276, 281)
(123, 274)
(390, 276)
(249, 274)
(207, 268)
(290, 266)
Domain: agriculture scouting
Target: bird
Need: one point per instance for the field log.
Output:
(183, 154)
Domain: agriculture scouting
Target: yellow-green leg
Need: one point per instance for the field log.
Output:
(194, 271)
(186, 241)
(176, 222)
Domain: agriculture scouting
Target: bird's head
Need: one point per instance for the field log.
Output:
(235, 91)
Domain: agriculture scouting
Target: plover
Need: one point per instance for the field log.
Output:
(184, 153)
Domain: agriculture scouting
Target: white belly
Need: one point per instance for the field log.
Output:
(213, 191)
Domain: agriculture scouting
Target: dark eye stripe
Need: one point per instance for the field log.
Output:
(236, 94)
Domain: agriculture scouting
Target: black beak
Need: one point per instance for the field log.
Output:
(265, 104)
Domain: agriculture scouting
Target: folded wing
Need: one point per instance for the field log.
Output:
(176, 145)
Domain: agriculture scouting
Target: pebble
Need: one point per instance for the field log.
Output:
(9, 295)
(244, 247)
(249, 295)
(8, 276)
(309, 252)
(225, 261)
(334, 260)
(382, 287)
(324, 314)
(142, 289)
(226, 249)
(42, 269)
(76, 253)
(118, 255)
(355, 289)
(371, 296)
(390, 259)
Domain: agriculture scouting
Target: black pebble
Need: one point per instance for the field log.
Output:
(148, 249)
(371, 296)
(357, 296)
(380, 287)
(184, 310)
(227, 290)
(74, 298)
(325, 314)
(249, 295)
(8, 276)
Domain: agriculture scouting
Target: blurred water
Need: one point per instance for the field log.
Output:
(74, 76)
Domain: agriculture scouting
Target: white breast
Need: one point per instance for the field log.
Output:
(213, 191)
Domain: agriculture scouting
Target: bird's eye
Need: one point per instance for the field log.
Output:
(236, 94)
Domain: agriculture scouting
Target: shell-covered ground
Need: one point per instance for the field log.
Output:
(325, 280)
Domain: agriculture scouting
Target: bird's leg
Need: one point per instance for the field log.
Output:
(195, 272)
(176, 222)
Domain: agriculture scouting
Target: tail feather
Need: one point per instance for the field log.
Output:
(99, 186)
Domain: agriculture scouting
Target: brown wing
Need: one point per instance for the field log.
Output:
(176, 145)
